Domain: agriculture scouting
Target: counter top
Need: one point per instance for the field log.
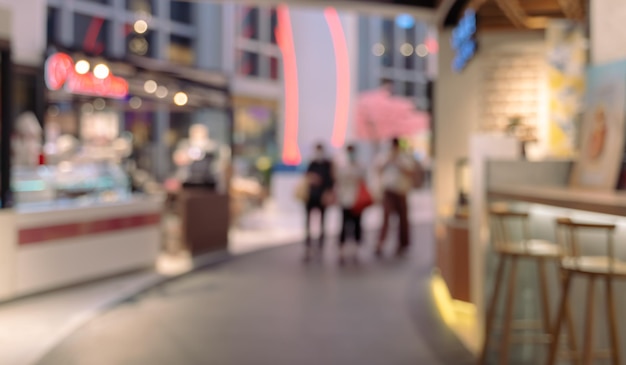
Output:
(613, 202)
(58, 213)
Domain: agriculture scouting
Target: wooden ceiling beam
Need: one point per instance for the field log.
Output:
(516, 14)
(573, 9)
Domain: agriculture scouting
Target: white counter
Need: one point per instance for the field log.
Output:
(612, 202)
(56, 245)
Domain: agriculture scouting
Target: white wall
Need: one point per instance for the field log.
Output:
(608, 33)
(5, 23)
(28, 30)
(458, 105)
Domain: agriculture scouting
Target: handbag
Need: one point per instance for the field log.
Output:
(301, 192)
(363, 198)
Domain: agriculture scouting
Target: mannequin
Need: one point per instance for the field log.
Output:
(199, 159)
(26, 141)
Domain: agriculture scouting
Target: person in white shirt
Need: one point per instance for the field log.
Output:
(349, 178)
(396, 178)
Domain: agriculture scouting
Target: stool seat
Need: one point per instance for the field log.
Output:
(531, 248)
(595, 265)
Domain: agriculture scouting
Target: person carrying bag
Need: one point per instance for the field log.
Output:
(354, 197)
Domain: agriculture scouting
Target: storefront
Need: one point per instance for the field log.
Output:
(89, 202)
(501, 95)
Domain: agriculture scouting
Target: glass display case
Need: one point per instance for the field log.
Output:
(70, 183)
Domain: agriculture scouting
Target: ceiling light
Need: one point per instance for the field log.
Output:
(421, 50)
(161, 92)
(99, 104)
(150, 86)
(140, 26)
(180, 98)
(135, 102)
(82, 67)
(406, 49)
(378, 49)
(101, 71)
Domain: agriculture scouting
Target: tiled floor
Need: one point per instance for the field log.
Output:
(270, 308)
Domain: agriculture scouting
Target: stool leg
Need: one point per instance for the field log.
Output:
(543, 288)
(556, 331)
(589, 323)
(571, 334)
(612, 318)
(508, 314)
(491, 310)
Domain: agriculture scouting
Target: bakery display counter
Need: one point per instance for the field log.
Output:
(56, 245)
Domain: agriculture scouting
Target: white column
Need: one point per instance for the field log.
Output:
(117, 36)
(607, 31)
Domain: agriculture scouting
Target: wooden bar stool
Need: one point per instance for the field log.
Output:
(592, 268)
(510, 252)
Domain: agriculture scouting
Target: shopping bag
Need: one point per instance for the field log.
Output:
(301, 192)
(363, 198)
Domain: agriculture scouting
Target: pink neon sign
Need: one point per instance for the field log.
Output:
(60, 73)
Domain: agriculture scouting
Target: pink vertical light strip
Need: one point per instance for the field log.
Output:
(284, 37)
(342, 60)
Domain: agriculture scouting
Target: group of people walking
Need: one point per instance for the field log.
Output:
(327, 183)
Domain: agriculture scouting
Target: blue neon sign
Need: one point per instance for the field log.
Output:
(463, 41)
(405, 21)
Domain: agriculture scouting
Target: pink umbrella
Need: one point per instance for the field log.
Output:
(380, 115)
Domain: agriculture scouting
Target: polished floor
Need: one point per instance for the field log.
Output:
(270, 308)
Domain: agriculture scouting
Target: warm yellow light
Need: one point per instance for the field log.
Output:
(421, 50)
(99, 104)
(150, 86)
(180, 98)
(378, 49)
(443, 299)
(82, 67)
(141, 26)
(135, 102)
(162, 92)
(101, 71)
(406, 49)
(264, 163)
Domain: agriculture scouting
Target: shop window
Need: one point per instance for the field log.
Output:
(91, 33)
(274, 68)
(389, 42)
(24, 92)
(52, 25)
(250, 22)
(181, 50)
(274, 24)
(249, 64)
(410, 38)
(409, 89)
(180, 11)
(141, 6)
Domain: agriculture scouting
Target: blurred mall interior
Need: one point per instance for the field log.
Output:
(153, 155)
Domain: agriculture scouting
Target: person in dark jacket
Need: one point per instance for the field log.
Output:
(321, 183)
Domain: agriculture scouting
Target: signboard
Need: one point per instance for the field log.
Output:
(463, 40)
(602, 134)
(60, 72)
